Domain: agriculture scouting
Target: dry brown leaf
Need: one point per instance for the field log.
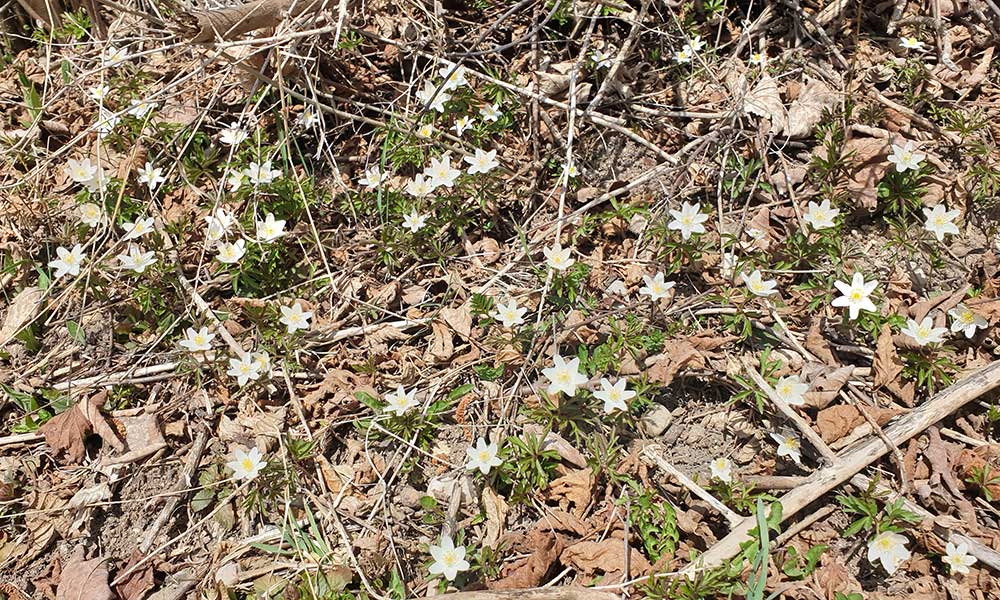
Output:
(441, 348)
(84, 579)
(22, 310)
(834, 422)
(65, 433)
(339, 385)
(607, 557)
(142, 432)
(135, 586)
(459, 319)
(826, 383)
(868, 160)
(817, 344)
(560, 520)
(695, 351)
(887, 365)
(807, 110)
(572, 491)
(832, 577)
(531, 572)
(496, 510)
(554, 441)
(764, 100)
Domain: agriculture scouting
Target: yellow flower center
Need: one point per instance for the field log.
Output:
(448, 558)
(484, 456)
(247, 464)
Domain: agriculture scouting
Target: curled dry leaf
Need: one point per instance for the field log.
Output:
(867, 157)
(84, 579)
(816, 343)
(531, 571)
(496, 510)
(834, 422)
(887, 368)
(607, 557)
(764, 100)
(807, 110)
(572, 491)
(825, 383)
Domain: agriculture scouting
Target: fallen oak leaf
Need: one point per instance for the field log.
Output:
(84, 579)
(531, 572)
(66, 432)
(607, 557)
(572, 491)
(834, 422)
(825, 382)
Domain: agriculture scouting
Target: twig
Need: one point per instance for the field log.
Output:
(652, 452)
(184, 482)
(850, 462)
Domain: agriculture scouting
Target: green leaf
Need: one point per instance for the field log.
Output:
(202, 500)
(460, 391)
(76, 333)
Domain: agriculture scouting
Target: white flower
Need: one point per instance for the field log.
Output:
(463, 124)
(602, 59)
(509, 314)
(270, 229)
(759, 286)
(218, 224)
(490, 112)
(262, 361)
(113, 55)
(140, 108)
(246, 465)
(890, 549)
(69, 261)
(758, 59)
(958, 558)
(572, 171)
(374, 177)
(233, 135)
(483, 456)
(262, 173)
(309, 118)
(91, 214)
(400, 401)
(656, 288)
(136, 260)
(614, 396)
(721, 469)
(414, 221)
(966, 320)
(85, 173)
(696, 44)
(455, 78)
(689, 219)
(236, 180)
(482, 162)
(925, 332)
(855, 296)
(294, 318)
(419, 186)
(448, 560)
(231, 253)
(564, 376)
(428, 98)
(683, 56)
(558, 257)
(617, 288)
(106, 121)
(940, 221)
(138, 229)
(820, 216)
(788, 445)
(195, 341)
(244, 369)
(98, 93)
(425, 131)
(791, 389)
(911, 43)
(906, 157)
(440, 172)
(151, 176)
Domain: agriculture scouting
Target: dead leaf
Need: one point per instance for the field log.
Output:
(560, 520)
(832, 577)
(496, 517)
(817, 344)
(607, 557)
(868, 159)
(135, 585)
(65, 433)
(807, 110)
(572, 491)
(142, 432)
(22, 310)
(764, 100)
(695, 350)
(459, 319)
(84, 579)
(554, 441)
(887, 367)
(834, 422)
(825, 382)
(441, 347)
(531, 572)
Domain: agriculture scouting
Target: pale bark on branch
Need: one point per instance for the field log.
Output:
(227, 24)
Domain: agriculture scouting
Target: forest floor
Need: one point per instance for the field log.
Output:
(610, 299)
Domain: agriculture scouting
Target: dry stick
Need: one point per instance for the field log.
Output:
(984, 553)
(804, 523)
(185, 481)
(807, 431)
(853, 460)
(563, 593)
(652, 452)
(897, 456)
(622, 55)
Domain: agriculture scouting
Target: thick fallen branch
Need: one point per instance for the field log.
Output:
(852, 460)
